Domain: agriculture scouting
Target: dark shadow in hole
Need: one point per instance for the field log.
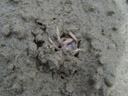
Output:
(42, 67)
(38, 63)
(38, 43)
(114, 29)
(41, 24)
(110, 13)
(102, 31)
(79, 43)
(54, 18)
(91, 82)
(56, 49)
(76, 55)
(62, 77)
(63, 35)
(75, 72)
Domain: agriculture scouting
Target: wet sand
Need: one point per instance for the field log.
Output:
(30, 65)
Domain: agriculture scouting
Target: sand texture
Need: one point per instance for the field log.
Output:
(30, 65)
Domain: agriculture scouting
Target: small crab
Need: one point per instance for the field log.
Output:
(66, 43)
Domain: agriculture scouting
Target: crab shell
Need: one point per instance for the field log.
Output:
(72, 46)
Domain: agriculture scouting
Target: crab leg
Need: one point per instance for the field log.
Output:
(76, 50)
(58, 34)
(73, 36)
(53, 43)
(66, 42)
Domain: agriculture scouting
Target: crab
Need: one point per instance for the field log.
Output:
(70, 43)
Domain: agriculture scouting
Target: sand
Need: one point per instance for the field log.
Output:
(30, 65)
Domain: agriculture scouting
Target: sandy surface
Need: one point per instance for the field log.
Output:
(30, 65)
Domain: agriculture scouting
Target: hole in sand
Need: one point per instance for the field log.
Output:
(76, 55)
(62, 77)
(38, 43)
